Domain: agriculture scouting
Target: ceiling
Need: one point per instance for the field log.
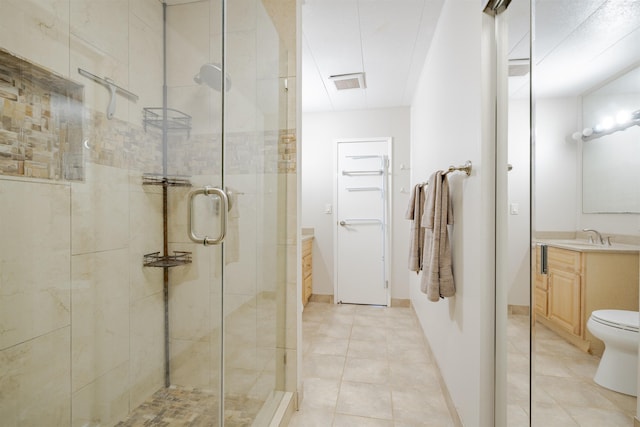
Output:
(386, 39)
(579, 44)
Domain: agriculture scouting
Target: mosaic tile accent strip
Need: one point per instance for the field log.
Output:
(246, 153)
(287, 152)
(121, 144)
(181, 406)
(40, 122)
(46, 132)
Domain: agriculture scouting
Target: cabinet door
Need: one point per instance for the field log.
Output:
(564, 300)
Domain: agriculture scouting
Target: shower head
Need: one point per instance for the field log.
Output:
(211, 75)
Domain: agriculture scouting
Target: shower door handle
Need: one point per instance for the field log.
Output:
(223, 215)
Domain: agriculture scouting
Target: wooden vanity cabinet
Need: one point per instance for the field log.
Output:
(307, 263)
(576, 284)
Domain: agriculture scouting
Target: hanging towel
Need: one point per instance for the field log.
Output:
(416, 239)
(437, 276)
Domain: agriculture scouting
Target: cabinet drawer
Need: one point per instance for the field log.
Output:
(563, 259)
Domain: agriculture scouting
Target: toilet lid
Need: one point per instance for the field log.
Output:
(622, 319)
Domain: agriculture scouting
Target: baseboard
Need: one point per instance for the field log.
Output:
(400, 302)
(457, 422)
(321, 298)
(395, 302)
(518, 309)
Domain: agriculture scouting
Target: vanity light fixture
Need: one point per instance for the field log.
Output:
(609, 125)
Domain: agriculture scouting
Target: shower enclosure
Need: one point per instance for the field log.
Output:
(147, 165)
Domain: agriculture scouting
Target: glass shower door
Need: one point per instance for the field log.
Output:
(225, 310)
(254, 250)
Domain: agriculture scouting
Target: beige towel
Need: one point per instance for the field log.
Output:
(437, 276)
(414, 213)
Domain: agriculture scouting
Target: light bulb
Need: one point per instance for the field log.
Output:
(587, 132)
(623, 117)
(607, 123)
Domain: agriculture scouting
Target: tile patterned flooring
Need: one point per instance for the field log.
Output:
(564, 391)
(367, 366)
(182, 406)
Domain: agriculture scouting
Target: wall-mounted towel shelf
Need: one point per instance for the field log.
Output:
(368, 156)
(363, 173)
(360, 221)
(364, 189)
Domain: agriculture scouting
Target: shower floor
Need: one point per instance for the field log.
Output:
(181, 406)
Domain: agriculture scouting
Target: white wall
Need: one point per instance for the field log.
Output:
(556, 169)
(319, 130)
(519, 194)
(558, 174)
(451, 119)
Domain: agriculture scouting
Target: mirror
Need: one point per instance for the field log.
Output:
(582, 54)
(610, 161)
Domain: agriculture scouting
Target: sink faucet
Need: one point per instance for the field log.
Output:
(596, 232)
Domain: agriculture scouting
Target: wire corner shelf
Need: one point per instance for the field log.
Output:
(176, 119)
(178, 258)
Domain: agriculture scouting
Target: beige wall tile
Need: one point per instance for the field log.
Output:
(187, 41)
(149, 11)
(198, 101)
(98, 22)
(100, 307)
(147, 347)
(189, 298)
(241, 15)
(35, 275)
(34, 384)
(190, 363)
(37, 30)
(145, 217)
(146, 65)
(104, 401)
(100, 210)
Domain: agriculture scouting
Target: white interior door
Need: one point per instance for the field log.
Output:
(362, 193)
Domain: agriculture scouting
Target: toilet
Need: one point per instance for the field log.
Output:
(618, 368)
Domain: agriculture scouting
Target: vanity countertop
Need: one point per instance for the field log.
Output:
(585, 246)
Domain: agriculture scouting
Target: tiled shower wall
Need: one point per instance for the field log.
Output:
(81, 321)
(81, 336)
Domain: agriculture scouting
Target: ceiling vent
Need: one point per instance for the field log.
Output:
(348, 81)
